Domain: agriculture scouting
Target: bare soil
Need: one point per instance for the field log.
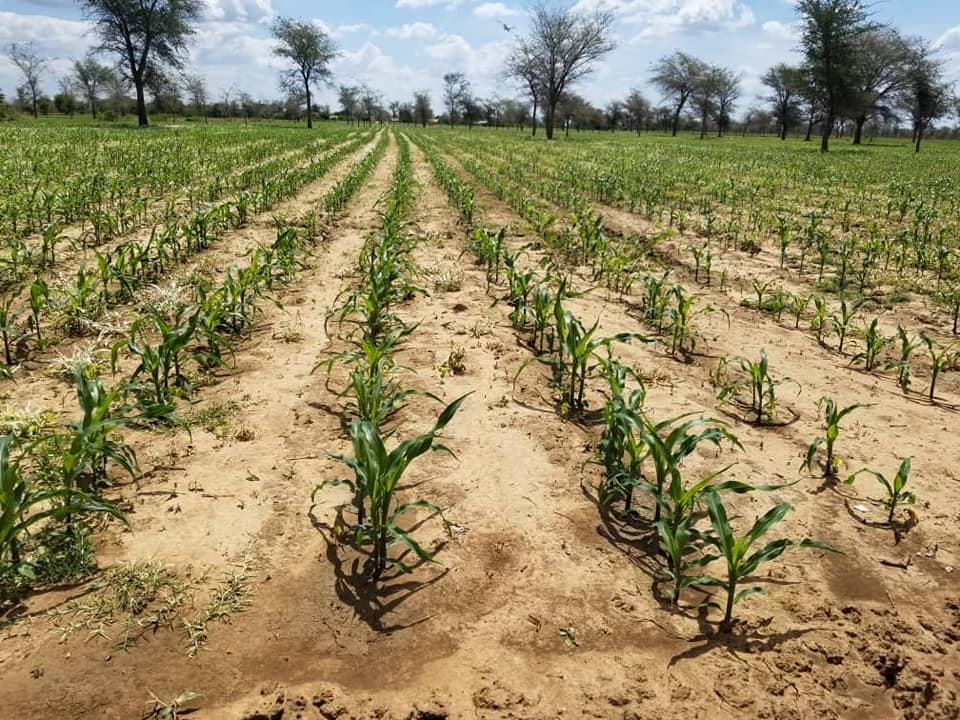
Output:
(540, 606)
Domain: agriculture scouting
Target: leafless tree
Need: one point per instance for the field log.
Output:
(562, 47)
(31, 66)
(456, 89)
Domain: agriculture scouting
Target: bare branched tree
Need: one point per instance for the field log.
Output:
(456, 89)
(563, 47)
(31, 66)
(522, 67)
(925, 95)
(196, 89)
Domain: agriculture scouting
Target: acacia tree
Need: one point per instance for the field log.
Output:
(703, 98)
(785, 84)
(147, 35)
(422, 109)
(925, 95)
(196, 89)
(90, 78)
(637, 108)
(563, 47)
(677, 76)
(349, 98)
(879, 73)
(727, 92)
(830, 38)
(31, 66)
(456, 90)
(310, 50)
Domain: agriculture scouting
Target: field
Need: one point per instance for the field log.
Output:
(636, 378)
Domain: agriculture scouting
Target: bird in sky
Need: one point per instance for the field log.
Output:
(506, 27)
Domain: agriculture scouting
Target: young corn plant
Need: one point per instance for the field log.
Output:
(896, 489)
(665, 444)
(377, 474)
(832, 415)
(942, 359)
(618, 450)
(741, 564)
(874, 342)
(25, 503)
(907, 345)
(162, 363)
(763, 398)
(841, 323)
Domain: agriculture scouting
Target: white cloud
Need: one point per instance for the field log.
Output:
(950, 40)
(412, 31)
(659, 18)
(419, 4)
(779, 30)
(238, 10)
(495, 11)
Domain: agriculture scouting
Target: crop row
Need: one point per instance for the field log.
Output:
(637, 452)
(53, 476)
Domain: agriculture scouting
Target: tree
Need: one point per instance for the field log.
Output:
(196, 89)
(562, 47)
(65, 101)
(677, 76)
(310, 50)
(456, 88)
(614, 112)
(703, 98)
(830, 38)
(164, 89)
(90, 79)
(637, 109)
(879, 73)
(422, 110)
(31, 66)
(522, 67)
(371, 103)
(727, 92)
(925, 95)
(145, 34)
(785, 83)
(349, 98)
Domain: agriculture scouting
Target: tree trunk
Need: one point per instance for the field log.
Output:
(783, 131)
(534, 123)
(34, 96)
(141, 103)
(919, 138)
(858, 129)
(550, 116)
(809, 129)
(93, 106)
(825, 135)
(703, 126)
(309, 108)
(676, 122)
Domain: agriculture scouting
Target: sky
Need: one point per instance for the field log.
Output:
(401, 46)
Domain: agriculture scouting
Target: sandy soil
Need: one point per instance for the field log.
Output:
(539, 606)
